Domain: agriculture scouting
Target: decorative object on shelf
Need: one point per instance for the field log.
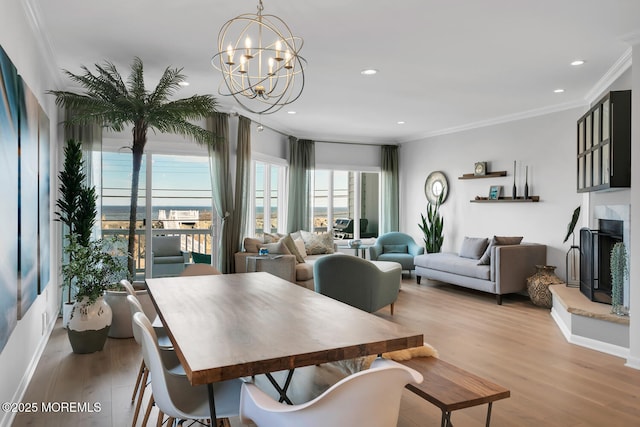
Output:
(538, 285)
(495, 191)
(526, 182)
(480, 169)
(514, 193)
(482, 199)
(572, 259)
(433, 226)
(435, 186)
(259, 58)
(619, 272)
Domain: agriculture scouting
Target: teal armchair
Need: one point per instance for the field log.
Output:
(360, 283)
(396, 247)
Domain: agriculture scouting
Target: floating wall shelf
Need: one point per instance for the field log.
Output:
(531, 199)
(487, 175)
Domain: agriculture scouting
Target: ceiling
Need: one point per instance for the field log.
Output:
(444, 65)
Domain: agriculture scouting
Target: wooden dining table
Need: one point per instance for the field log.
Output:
(239, 325)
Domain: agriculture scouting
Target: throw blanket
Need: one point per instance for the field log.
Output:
(352, 366)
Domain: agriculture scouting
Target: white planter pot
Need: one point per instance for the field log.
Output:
(66, 313)
(121, 324)
(89, 325)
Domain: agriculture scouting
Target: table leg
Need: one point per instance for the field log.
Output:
(489, 414)
(445, 421)
(282, 390)
(212, 403)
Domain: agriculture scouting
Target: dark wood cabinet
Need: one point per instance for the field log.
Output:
(604, 144)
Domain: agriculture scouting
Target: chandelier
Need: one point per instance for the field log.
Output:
(259, 59)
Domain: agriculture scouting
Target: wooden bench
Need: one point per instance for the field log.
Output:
(451, 388)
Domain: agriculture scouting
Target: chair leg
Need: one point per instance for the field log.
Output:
(223, 422)
(147, 413)
(143, 386)
(418, 279)
(135, 389)
(392, 304)
(160, 418)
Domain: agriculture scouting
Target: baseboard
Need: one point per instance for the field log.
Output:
(8, 418)
(633, 362)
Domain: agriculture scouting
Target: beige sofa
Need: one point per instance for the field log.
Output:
(504, 270)
(284, 264)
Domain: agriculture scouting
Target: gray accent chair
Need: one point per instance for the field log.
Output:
(396, 247)
(363, 284)
(167, 260)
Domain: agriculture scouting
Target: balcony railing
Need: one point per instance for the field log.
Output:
(192, 240)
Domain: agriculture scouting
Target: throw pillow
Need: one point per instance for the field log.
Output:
(300, 246)
(252, 244)
(276, 248)
(316, 244)
(272, 238)
(473, 247)
(395, 249)
(498, 241)
(292, 247)
(296, 235)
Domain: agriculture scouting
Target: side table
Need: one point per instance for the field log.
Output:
(279, 265)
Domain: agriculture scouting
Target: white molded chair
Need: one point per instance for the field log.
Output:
(368, 398)
(174, 396)
(169, 359)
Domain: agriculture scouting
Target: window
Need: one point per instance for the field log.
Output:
(269, 202)
(179, 189)
(346, 195)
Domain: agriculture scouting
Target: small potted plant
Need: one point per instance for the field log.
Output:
(92, 270)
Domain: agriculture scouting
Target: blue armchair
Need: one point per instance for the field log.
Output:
(397, 247)
(360, 283)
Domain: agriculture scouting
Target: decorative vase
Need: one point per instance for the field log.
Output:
(526, 183)
(514, 191)
(538, 285)
(89, 325)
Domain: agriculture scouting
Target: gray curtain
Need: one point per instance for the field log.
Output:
(301, 166)
(218, 123)
(242, 196)
(390, 200)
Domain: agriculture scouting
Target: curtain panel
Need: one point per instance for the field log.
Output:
(242, 196)
(301, 167)
(390, 186)
(222, 195)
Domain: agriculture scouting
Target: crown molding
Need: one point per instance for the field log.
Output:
(47, 51)
(620, 66)
(500, 120)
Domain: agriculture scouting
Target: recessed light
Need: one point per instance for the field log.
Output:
(291, 112)
(558, 91)
(400, 122)
(369, 72)
(577, 62)
(184, 83)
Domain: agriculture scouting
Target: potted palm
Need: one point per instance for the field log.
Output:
(92, 270)
(115, 103)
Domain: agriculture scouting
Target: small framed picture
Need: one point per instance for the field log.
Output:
(495, 191)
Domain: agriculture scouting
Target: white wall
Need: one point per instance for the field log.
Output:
(546, 144)
(20, 356)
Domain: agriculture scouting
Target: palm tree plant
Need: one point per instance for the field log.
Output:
(114, 104)
(433, 226)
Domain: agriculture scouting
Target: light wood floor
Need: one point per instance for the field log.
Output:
(517, 345)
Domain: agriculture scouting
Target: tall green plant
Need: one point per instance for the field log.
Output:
(433, 227)
(112, 103)
(77, 202)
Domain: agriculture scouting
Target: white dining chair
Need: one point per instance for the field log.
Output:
(368, 398)
(169, 359)
(174, 396)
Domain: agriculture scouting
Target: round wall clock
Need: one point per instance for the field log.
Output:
(435, 185)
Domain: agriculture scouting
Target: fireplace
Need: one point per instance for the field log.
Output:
(595, 252)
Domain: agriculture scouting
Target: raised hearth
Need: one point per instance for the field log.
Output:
(589, 324)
